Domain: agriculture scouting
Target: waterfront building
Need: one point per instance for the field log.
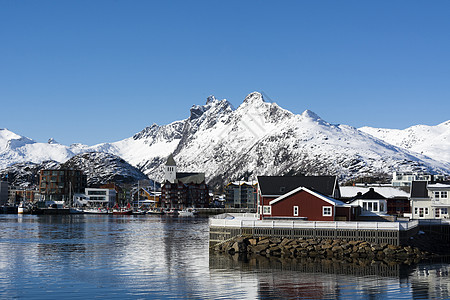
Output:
(3, 192)
(430, 200)
(60, 184)
(397, 198)
(320, 190)
(305, 204)
(241, 194)
(406, 178)
(96, 197)
(372, 205)
(182, 189)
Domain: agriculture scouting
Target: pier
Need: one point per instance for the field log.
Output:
(227, 226)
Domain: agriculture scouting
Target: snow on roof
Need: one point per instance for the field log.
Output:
(439, 185)
(385, 191)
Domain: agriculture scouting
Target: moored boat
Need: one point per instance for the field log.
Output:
(188, 212)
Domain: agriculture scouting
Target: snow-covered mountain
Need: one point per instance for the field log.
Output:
(257, 138)
(433, 141)
(100, 168)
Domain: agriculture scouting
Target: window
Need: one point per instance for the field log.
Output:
(436, 194)
(381, 206)
(365, 205)
(436, 213)
(421, 212)
(444, 194)
(426, 210)
(369, 206)
(375, 206)
(444, 211)
(267, 210)
(416, 210)
(326, 211)
(295, 211)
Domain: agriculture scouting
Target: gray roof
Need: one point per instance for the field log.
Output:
(190, 177)
(170, 161)
(280, 185)
(419, 189)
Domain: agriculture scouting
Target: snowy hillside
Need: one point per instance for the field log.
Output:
(433, 141)
(257, 138)
(100, 168)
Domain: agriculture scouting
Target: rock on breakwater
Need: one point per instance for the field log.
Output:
(320, 248)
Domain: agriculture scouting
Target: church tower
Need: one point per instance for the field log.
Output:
(170, 171)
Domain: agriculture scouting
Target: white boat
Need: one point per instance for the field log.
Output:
(189, 212)
(22, 209)
(95, 210)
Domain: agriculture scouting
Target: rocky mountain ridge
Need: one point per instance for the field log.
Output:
(257, 138)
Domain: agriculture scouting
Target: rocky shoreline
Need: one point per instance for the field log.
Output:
(321, 248)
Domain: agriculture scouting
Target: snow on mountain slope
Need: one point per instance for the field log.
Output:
(432, 141)
(262, 138)
(257, 138)
(15, 148)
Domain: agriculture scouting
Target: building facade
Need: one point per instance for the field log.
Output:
(60, 184)
(406, 178)
(183, 190)
(241, 194)
(4, 192)
(305, 204)
(430, 200)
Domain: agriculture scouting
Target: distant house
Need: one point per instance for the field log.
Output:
(96, 197)
(241, 194)
(406, 178)
(310, 198)
(182, 190)
(430, 200)
(396, 198)
(371, 203)
(303, 203)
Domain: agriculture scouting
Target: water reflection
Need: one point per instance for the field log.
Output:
(116, 257)
(314, 278)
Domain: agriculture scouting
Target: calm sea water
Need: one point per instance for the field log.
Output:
(146, 257)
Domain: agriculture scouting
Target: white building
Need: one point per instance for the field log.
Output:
(372, 203)
(430, 201)
(406, 178)
(94, 197)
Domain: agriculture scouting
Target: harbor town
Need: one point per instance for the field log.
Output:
(299, 208)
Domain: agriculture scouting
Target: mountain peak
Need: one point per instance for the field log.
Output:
(52, 141)
(254, 97)
(210, 99)
(311, 115)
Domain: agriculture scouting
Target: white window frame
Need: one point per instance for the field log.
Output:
(267, 210)
(326, 208)
(444, 194)
(295, 211)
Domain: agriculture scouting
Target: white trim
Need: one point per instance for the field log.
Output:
(320, 196)
(269, 210)
(296, 210)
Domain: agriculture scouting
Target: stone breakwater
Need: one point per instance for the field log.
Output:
(319, 248)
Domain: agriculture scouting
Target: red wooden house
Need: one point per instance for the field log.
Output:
(303, 203)
(305, 197)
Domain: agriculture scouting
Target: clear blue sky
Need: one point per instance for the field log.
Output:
(99, 71)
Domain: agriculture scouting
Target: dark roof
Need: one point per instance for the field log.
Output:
(280, 185)
(170, 161)
(190, 177)
(419, 189)
(370, 194)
